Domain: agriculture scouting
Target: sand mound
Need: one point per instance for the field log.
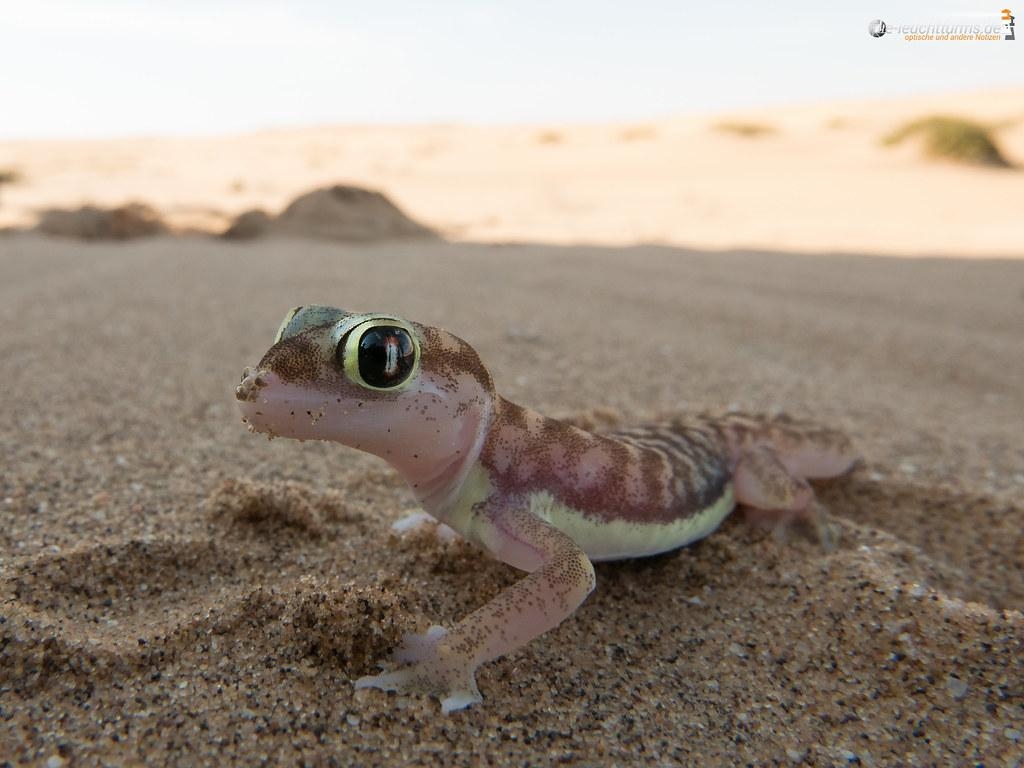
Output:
(347, 213)
(91, 223)
(274, 506)
(127, 610)
(332, 213)
(249, 225)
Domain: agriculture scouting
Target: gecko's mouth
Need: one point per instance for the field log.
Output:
(256, 407)
(277, 409)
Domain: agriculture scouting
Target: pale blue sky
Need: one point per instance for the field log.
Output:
(117, 67)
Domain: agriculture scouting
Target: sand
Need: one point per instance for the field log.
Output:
(176, 590)
(818, 181)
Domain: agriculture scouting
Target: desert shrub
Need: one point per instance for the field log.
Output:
(9, 176)
(952, 138)
(746, 130)
(549, 137)
(90, 222)
(638, 133)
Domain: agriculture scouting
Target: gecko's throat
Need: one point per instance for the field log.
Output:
(432, 456)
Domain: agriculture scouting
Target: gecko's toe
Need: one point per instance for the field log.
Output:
(417, 647)
(457, 700)
(412, 522)
(387, 681)
(828, 530)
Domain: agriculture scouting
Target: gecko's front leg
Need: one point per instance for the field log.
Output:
(443, 663)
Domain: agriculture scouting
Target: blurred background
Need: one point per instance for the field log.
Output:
(786, 128)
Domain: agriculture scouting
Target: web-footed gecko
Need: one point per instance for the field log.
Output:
(542, 495)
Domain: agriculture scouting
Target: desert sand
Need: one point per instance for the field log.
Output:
(818, 181)
(178, 591)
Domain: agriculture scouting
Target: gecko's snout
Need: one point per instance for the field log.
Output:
(252, 382)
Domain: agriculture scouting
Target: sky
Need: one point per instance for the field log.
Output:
(97, 68)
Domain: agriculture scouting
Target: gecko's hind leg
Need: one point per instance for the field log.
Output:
(774, 498)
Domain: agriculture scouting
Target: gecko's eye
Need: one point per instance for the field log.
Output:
(386, 356)
(379, 355)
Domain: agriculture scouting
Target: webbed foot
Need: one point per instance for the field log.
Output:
(433, 667)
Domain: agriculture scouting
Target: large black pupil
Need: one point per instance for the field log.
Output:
(386, 356)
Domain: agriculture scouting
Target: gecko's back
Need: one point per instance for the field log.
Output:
(637, 491)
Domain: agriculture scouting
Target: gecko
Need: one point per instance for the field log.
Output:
(543, 495)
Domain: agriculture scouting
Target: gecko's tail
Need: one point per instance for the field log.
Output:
(805, 449)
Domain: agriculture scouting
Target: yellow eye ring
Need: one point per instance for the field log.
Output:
(382, 354)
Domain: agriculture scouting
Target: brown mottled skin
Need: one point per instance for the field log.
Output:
(684, 468)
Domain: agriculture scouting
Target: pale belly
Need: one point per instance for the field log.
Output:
(619, 539)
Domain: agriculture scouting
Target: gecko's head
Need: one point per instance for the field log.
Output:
(412, 394)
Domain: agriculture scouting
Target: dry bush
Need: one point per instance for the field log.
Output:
(952, 138)
(745, 129)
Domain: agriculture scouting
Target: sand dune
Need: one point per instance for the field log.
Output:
(818, 179)
(176, 590)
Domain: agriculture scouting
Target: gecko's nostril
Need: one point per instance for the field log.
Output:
(252, 382)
